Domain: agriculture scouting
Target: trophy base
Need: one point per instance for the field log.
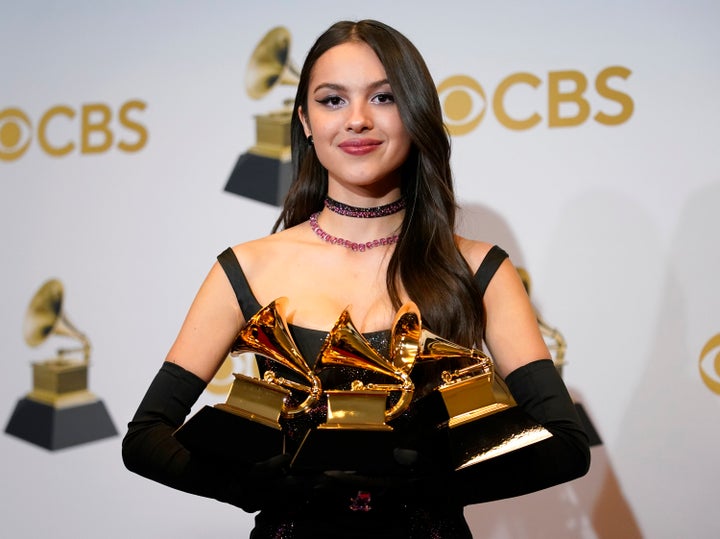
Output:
(493, 435)
(261, 178)
(221, 433)
(345, 449)
(364, 428)
(56, 428)
(468, 438)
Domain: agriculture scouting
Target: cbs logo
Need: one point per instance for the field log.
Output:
(92, 129)
(709, 364)
(465, 103)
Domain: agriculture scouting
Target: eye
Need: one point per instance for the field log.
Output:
(15, 133)
(385, 98)
(463, 103)
(331, 101)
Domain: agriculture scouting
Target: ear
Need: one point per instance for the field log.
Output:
(304, 121)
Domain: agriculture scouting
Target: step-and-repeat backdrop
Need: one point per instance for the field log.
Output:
(585, 142)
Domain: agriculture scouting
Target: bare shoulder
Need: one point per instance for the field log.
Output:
(506, 278)
(269, 248)
(268, 241)
(473, 251)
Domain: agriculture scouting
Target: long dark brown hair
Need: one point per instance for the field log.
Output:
(426, 260)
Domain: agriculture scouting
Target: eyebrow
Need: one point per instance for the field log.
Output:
(341, 88)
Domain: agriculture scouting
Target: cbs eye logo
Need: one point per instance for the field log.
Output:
(92, 128)
(15, 129)
(709, 364)
(563, 101)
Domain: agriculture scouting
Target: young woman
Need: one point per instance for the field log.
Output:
(368, 222)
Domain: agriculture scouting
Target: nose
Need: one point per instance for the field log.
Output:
(359, 118)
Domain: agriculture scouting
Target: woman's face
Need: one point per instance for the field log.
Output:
(354, 121)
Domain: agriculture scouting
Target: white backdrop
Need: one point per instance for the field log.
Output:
(617, 224)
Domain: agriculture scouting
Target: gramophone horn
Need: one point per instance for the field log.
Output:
(405, 337)
(345, 346)
(45, 317)
(270, 64)
(267, 334)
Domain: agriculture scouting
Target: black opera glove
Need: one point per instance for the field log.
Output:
(150, 450)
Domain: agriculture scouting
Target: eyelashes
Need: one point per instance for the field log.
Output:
(331, 101)
(334, 101)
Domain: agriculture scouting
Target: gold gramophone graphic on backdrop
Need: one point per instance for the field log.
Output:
(264, 172)
(60, 411)
(247, 425)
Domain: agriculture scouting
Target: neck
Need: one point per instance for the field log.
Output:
(364, 196)
(363, 212)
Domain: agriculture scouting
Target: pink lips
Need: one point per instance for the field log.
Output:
(359, 146)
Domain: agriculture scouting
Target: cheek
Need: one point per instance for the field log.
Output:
(398, 132)
(323, 151)
(323, 125)
(403, 142)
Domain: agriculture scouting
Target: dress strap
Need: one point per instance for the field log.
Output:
(490, 264)
(230, 264)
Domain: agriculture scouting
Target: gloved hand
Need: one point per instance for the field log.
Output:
(271, 484)
(151, 450)
(415, 480)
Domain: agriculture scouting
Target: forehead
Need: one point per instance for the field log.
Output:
(347, 63)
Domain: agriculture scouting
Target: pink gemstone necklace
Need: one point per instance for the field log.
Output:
(347, 243)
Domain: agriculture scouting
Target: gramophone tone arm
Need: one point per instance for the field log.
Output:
(271, 377)
(484, 366)
(313, 391)
(407, 389)
(85, 349)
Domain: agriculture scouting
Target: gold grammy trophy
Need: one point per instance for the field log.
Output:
(264, 172)
(60, 411)
(480, 419)
(364, 405)
(247, 426)
(356, 432)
